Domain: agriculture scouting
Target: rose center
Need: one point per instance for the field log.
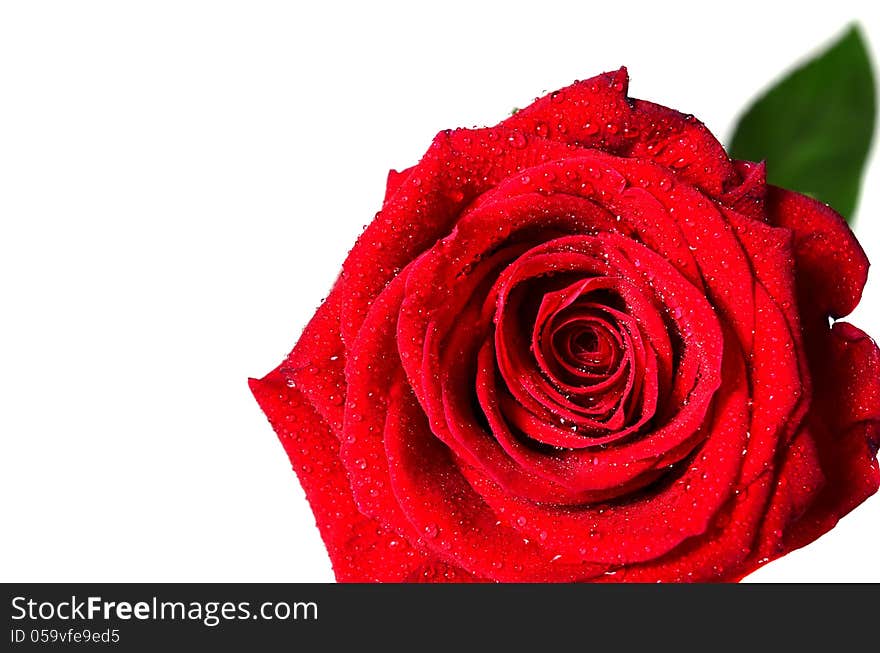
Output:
(577, 339)
(582, 344)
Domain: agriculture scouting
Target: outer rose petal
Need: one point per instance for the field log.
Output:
(320, 350)
(458, 166)
(846, 426)
(842, 426)
(359, 548)
(798, 482)
(597, 113)
(831, 266)
(719, 553)
(395, 179)
(750, 196)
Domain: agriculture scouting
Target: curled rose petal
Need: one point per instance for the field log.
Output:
(583, 345)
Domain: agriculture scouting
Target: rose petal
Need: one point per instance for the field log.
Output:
(845, 423)
(597, 113)
(656, 520)
(831, 265)
(360, 549)
(428, 483)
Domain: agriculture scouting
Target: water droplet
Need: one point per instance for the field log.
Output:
(517, 139)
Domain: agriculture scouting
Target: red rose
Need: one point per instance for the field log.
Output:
(583, 345)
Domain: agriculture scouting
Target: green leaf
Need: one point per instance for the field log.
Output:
(814, 127)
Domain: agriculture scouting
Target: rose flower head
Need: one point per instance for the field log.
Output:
(581, 345)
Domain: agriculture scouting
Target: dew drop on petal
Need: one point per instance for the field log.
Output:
(517, 139)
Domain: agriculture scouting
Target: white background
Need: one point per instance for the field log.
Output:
(179, 183)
